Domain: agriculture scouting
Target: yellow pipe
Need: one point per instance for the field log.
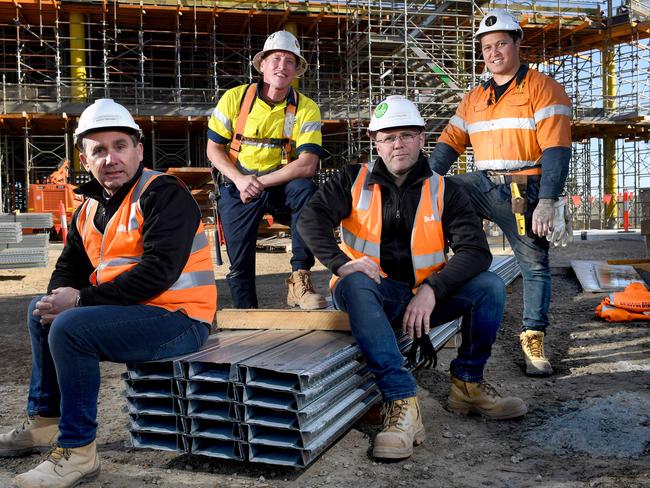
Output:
(293, 28)
(609, 142)
(78, 57)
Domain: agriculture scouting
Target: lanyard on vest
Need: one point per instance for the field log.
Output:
(246, 106)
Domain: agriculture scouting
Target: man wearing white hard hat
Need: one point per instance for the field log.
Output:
(265, 139)
(134, 283)
(519, 126)
(391, 273)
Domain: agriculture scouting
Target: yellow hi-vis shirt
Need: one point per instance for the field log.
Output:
(266, 122)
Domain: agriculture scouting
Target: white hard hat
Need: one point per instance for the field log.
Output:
(395, 111)
(499, 20)
(105, 114)
(281, 41)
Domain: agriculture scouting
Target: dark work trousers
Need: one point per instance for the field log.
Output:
(240, 223)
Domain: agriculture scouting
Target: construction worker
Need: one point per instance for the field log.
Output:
(519, 126)
(134, 283)
(396, 217)
(265, 139)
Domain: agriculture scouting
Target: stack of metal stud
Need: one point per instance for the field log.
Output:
(24, 251)
(268, 396)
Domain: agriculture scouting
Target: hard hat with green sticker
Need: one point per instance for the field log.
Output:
(395, 111)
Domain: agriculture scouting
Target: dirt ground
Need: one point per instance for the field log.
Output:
(588, 425)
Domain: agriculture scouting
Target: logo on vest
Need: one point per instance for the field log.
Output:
(121, 228)
(429, 218)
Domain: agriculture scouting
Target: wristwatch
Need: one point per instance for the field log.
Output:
(77, 302)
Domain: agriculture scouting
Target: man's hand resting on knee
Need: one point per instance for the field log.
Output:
(48, 307)
(363, 265)
(418, 312)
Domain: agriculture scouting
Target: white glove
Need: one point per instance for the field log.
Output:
(561, 232)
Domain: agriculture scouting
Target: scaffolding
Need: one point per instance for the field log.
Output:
(169, 61)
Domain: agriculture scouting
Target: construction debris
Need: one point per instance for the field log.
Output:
(598, 276)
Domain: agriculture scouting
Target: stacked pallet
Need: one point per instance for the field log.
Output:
(269, 396)
(18, 250)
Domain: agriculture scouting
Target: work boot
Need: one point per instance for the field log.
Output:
(403, 429)
(63, 468)
(301, 292)
(482, 398)
(532, 344)
(35, 433)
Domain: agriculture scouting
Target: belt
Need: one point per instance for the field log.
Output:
(505, 178)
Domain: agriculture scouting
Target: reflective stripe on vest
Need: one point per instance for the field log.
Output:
(120, 248)
(615, 314)
(361, 230)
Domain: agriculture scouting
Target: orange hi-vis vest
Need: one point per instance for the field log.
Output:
(120, 248)
(361, 230)
(625, 306)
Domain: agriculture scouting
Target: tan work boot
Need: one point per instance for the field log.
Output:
(35, 433)
(532, 345)
(301, 292)
(403, 429)
(63, 468)
(483, 399)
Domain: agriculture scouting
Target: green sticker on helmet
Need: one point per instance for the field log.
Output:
(381, 109)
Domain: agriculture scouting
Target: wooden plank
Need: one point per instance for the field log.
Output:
(628, 261)
(230, 318)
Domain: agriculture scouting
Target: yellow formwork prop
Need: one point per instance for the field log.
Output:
(609, 142)
(78, 57)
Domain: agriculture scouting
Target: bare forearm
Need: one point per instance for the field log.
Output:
(302, 167)
(221, 161)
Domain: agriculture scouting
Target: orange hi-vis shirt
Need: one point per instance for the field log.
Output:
(628, 305)
(532, 115)
(361, 230)
(120, 248)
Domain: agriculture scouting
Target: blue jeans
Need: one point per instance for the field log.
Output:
(492, 202)
(240, 223)
(372, 308)
(66, 355)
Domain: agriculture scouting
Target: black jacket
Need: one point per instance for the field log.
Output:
(461, 226)
(171, 217)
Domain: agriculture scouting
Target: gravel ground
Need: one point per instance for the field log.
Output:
(587, 426)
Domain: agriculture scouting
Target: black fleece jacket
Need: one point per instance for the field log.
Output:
(171, 217)
(461, 226)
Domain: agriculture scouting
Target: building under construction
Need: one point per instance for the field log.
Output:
(169, 61)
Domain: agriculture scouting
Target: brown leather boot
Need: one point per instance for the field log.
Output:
(301, 292)
(403, 429)
(483, 399)
(36, 433)
(532, 345)
(63, 468)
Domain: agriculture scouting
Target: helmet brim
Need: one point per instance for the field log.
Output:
(300, 69)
